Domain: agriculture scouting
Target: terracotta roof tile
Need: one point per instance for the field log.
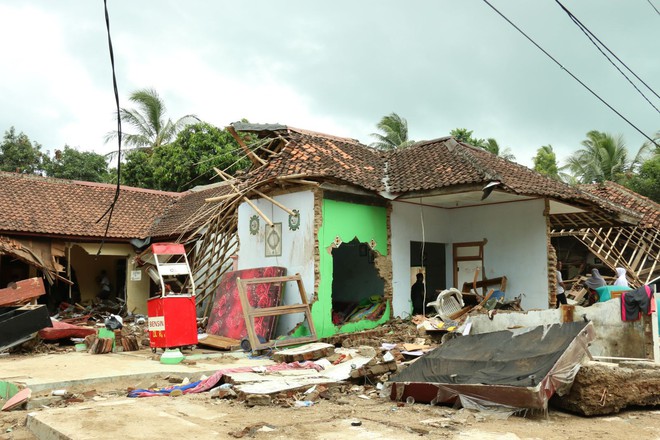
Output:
(615, 193)
(179, 213)
(315, 154)
(43, 205)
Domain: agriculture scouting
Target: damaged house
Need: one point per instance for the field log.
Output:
(53, 228)
(636, 248)
(357, 223)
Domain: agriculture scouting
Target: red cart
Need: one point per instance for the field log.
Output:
(172, 315)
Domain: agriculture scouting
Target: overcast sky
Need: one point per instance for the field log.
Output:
(335, 67)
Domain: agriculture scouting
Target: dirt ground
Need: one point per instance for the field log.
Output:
(349, 411)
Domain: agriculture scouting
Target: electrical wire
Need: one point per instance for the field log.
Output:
(421, 218)
(653, 6)
(590, 35)
(570, 73)
(111, 208)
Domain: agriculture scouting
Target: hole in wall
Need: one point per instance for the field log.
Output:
(357, 288)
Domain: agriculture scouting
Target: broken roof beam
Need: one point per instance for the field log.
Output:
(256, 160)
(227, 178)
(275, 202)
(220, 198)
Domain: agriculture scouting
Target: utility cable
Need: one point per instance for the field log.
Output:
(111, 208)
(590, 35)
(653, 6)
(571, 73)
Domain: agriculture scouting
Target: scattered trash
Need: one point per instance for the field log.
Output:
(303, 403)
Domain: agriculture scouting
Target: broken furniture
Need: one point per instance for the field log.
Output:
(18, 324)
(250, 313)
(448, 303)
(517, 369)
(226, 318)
(22, 292)
(172, 317)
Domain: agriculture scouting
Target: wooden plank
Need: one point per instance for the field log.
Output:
(270, 279)
(277, 311)
(256, 160)
(250, 313)
(220, 342)
(22, 292)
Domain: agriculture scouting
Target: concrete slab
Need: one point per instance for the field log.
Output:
(63, 370)
(129, 419)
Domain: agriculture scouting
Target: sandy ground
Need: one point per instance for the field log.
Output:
(106, 413)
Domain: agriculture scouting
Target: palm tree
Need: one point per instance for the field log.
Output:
(604, 157)
(492, 146)
(394, 134)
(545, 162)
(148, 120)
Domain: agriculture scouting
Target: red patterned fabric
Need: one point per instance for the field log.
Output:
(226, 317)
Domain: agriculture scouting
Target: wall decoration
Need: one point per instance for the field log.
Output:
(274, 240)
(294, 220)
(337, 241)
(254, 225)
(373, 244)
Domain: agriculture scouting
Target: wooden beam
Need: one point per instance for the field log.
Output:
(219, 198)
(304, 182)
(245, 199)
(256, 160)
(274, 202)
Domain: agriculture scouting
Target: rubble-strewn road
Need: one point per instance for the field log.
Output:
(112, 416)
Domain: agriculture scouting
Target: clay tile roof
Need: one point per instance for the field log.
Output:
(615, 193)
(445, 162)
(319, 155)
(179, 213)
(43, 205)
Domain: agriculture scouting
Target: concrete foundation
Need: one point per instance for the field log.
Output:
(605, 388)
(614, 337)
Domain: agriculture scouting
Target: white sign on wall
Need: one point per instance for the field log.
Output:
(136, 275)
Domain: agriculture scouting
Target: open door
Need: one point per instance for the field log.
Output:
(467, 259)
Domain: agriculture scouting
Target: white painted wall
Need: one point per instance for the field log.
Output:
(516, 234)
(517, 246)
(406, 226)
(297, 246)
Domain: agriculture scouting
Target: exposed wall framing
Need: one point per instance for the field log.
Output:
(636, 249)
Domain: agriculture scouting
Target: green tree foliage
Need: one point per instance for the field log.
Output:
(490, 144)
(394, 133)
(545, 162)
(190, 159)
(465, 135)
(493, 147)
(77, 165)
(148, 120)
(19, 154)
(186, 162)
(137, 170)
(647, 181)
(603, 157)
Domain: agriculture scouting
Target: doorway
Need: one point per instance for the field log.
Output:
(430, 256)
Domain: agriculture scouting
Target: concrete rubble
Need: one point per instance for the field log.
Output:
(349, 366)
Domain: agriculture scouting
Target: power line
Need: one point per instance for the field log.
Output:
(111, 208)
(589, 35)
(653, 6)
(570, 73)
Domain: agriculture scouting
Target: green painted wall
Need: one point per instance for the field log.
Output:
(348, 221)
